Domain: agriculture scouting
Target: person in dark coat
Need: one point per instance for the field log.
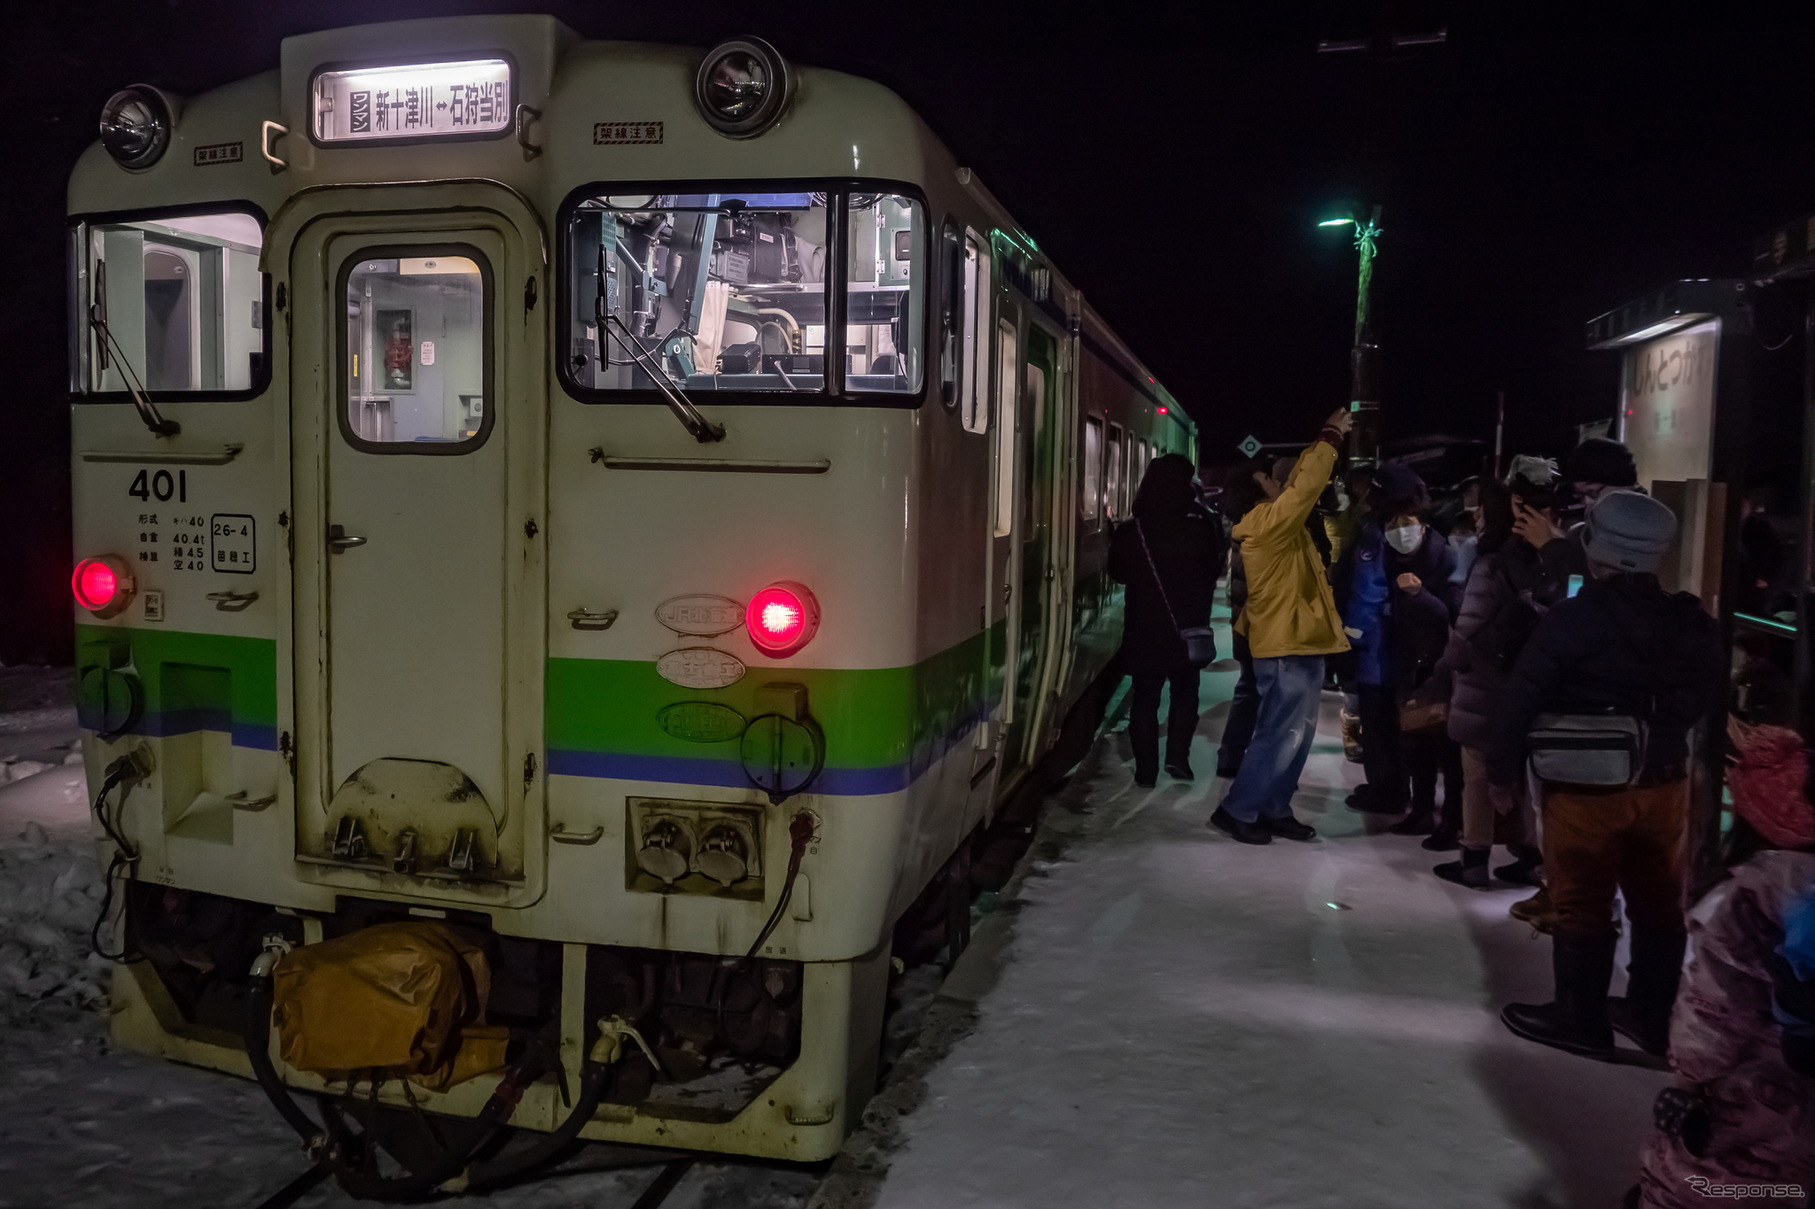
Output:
(1625, 647)
(1400, 603)
(1170, 555)
(1592, 469)
(1244, 700)
(1499, 611)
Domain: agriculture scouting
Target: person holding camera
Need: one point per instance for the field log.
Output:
(1601, 701)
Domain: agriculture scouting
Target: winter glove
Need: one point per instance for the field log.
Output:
(1683, 1115)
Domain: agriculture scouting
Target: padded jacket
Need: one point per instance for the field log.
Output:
(1497, 616)
(1402, 634)
(1623, 645)
(1289, 610)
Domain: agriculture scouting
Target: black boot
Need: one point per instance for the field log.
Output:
(1369, 800)
(1470, 871)
(1447, 835)
(1144, 737)
(1643, 1016)
(1523, 870)
(1576, 1020)
(1180, 728)
(1419, 822)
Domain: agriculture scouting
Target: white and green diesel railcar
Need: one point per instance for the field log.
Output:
(644, 509)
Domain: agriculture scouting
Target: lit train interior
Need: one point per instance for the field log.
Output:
(728, 292)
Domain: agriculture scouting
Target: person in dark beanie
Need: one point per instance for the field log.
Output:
(1622, 647)
(1170, 555)
(1400, 603)
(1593, 468)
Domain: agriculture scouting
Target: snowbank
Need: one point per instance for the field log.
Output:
(50, 890)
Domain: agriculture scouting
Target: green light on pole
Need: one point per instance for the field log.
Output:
(1363, 395)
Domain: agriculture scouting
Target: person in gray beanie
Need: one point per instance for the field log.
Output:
(1622, 646)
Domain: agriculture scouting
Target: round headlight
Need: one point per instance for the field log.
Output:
(743, 87)
(136, 124)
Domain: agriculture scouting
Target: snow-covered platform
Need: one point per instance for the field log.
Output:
(1172, 1018)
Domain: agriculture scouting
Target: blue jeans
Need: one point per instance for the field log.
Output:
(1289, 689)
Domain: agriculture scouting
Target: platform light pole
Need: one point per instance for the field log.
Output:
(1364, 380)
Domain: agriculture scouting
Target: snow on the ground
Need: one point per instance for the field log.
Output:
(1183, 1020)
(50, 885)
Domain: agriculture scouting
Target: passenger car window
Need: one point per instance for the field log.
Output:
(747, 313)
(1112, 503)
(1091, 502)
(176, 302)
(884, 281)
(415, 359)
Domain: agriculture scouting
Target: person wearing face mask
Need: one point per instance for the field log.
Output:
(1401, 601)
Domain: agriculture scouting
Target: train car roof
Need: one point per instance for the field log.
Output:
(838, 125)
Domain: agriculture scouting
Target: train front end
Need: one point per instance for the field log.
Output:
(507, 566)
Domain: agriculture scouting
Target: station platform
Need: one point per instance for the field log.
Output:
(1162, 1016)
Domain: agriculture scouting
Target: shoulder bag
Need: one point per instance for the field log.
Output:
(1200, 641)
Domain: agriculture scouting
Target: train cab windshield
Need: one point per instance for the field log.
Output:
(174, 302)
(728, 291)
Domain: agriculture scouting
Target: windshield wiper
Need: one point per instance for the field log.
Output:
(97, 320)
(703, 430)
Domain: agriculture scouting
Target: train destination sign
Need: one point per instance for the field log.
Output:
(421, 100)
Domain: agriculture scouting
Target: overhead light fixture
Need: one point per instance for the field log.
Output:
(1336, 222)
(1661, 328)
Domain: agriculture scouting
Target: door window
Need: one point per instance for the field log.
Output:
(976, 334)
(415, 353)
(1007, 358)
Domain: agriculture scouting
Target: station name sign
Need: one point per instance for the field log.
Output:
(420, 100)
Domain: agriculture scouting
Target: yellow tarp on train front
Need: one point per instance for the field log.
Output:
(404, 999)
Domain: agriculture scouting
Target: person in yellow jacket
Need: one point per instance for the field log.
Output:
(1291, 623)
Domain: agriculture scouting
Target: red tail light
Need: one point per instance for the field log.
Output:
(102, 585)
(782, 618)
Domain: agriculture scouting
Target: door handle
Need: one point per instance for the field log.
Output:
(232, 602)
(561, 835)
(339, 539)
(585, 619)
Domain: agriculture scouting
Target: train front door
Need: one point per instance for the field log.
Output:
(418, 444)
(1034, 564)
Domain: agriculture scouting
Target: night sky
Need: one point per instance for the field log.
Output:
(1546, 164)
